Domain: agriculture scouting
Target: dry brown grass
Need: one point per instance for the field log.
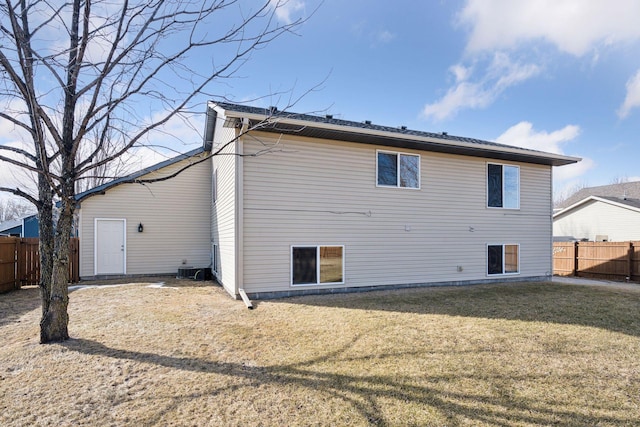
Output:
(499, 355)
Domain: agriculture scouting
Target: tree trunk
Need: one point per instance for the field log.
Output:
(45, 232)
(54, 323)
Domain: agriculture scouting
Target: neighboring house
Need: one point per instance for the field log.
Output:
(26, 226)
(599, 218)
(307, 204)
(298, 204)
(128, 228)
(624, 190)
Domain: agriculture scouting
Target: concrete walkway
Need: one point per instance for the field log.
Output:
(632, 286)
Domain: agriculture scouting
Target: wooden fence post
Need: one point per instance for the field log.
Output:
(18, 270)
(576, 248)
(630, 262)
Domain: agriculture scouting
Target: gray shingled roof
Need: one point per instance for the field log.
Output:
(400, 132)
(613, 192)
(634, 203)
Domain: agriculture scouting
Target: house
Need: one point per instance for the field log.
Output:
(314, 204)
(27, 226)
(279, 204)
(130, 228)
(604, 213)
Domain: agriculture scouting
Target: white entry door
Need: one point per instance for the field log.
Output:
(110, 246)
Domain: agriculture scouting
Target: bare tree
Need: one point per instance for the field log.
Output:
(563, 196)
(80, 75)
(13, 209)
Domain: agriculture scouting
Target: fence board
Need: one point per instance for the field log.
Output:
(20, 262)
(601, 260)
(8, 249)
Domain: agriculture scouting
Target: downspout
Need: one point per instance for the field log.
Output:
(246, 299)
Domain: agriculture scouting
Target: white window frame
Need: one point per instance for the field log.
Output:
(398, 154)
(503, 259)
(318, 282)
(503, 165)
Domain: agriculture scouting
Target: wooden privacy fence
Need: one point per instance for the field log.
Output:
(20, 262)
(598, 260)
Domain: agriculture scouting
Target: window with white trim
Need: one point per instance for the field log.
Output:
(397, 169)
(503, 186)
(317, 265)
(503, 259)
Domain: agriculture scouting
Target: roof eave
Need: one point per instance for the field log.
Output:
(598, 199)
(373, 136)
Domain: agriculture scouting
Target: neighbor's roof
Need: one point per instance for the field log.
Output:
(12, 223)
(130, 178)
(627, 203)
(630, 190)
(366, 132)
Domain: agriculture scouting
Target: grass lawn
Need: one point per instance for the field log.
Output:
(186, 354)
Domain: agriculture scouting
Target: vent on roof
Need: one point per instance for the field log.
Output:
(367, 122)
(329, 116)
(273, 109)
(403, 127)
(444, 134)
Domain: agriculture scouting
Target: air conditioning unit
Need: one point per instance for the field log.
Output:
(194, 273)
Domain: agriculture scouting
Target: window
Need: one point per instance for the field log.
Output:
(317, 265)
(398, 170)
(503, 259)
(503, 186)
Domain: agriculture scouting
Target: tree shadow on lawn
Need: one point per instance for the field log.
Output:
(611, 309)
(364, 393)
(15, 304)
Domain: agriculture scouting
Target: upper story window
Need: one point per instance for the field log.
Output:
(503, 186)
(398, 169)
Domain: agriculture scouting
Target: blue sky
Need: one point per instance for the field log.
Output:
(555, 75)
(560, 76)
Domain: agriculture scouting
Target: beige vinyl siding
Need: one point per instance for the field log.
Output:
(324, 192)
(224, 218)
(175, 214)
(598, 218)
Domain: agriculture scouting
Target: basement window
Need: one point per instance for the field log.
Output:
(503, 259)
(317, 265)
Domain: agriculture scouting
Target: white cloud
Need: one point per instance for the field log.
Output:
(573, 26)
(499, 75)
(461, 72)
(632, 99)
(523, 135)
(385, 36)
(568, 175)
(286, 8)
